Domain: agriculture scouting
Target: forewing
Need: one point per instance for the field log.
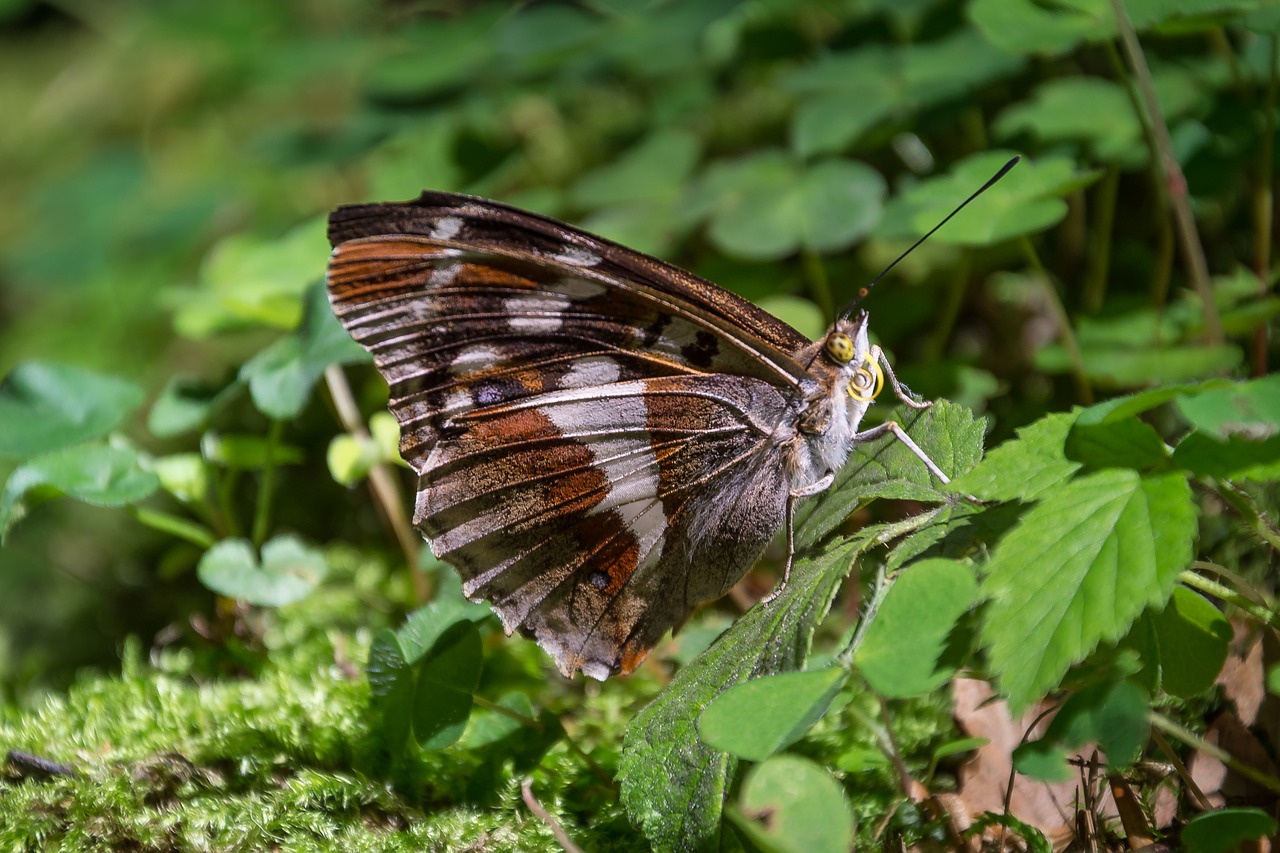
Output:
(595, 520)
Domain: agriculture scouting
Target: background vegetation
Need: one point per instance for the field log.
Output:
(217, 638)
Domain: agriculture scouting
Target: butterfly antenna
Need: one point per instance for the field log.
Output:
(862, 292)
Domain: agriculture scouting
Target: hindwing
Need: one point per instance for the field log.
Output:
(596, 433)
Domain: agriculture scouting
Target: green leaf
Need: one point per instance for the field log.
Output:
(904, 644)
(447, 680)
(1028, 27)
(658, 167)
(1234, 459)
(757, 718)
(674, 784)
(1250, 410)
(1078, 569)
(1119, 408)
(248, 280)
(490, 726)
(183, 475)
(93, 473)
(350, 458)
(1029, 199)
(391, 689)
(790, 804)
(1193, 638)
(768, 206)
(1042, 760)
(1128, 366)
(1090, 110)
(1125, 443)
(1226, 829)
(948, 433)
(184, 405)
(288, 571)
(45, 407)
(1025, 467)
(1112, 715)
(281, 376)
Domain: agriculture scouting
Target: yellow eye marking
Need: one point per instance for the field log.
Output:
(840, 348)
(868, 382)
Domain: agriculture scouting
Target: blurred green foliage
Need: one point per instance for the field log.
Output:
(165, 168)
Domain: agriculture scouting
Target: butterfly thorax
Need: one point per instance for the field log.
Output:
(844, 368)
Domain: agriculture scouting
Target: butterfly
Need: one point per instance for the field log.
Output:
(602, 440)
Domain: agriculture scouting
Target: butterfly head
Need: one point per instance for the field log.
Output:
(847, 347)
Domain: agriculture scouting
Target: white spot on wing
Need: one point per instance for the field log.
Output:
(447, 228)
(576, 256)
(474, 357)
(534, 313)
(586, 372)
(626, 459)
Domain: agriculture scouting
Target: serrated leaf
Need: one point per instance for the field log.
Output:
(756, 718)
(1234, 459)
(904, 644)
(1119, 408)
(1125, 443)
(1250, 410)
(948, 433)
(1194, 638)
(287, 572)
(45, 407)
(790, 804)
(674, 784)
(1078, 569)
(1112, 715)
(1025, 467)
(280, 377)
(93, 473)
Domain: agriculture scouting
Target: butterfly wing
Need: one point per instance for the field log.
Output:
(584, 419)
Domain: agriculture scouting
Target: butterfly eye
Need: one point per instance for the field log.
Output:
(867, 383)
(840, 348)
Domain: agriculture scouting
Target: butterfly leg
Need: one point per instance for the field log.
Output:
(904, 395)
(900, 434)
(820, 486)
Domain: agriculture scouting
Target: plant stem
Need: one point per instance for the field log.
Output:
(185, 529)
(1227, 594)
(945, 320)
(1243, 503)
(1083, 391)
(267, 485)
(1263, 212)
(1183, 218)
(381, 482)
(1194, 741)
(1099, 259)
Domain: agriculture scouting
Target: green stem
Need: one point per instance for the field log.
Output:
(266, 486)
(1194, 741)
(1227, 594)
(197, 534)
(1263, 202)
(1243, 503)
(1083, 389)
(1183, 218)
(1099, 260)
